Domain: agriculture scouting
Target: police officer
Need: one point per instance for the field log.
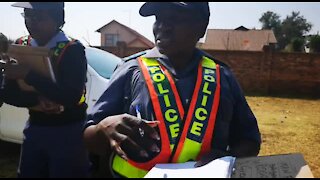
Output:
(173, 104)
(53, 144)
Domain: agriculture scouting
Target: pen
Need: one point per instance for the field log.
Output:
(151, 123)
(138, 112)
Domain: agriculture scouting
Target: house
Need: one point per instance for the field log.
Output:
(116, 34)
(239, 39)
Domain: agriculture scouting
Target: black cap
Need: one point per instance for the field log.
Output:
(150, 8)
(39, 5)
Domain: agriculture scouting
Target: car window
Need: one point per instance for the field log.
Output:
(101, 61)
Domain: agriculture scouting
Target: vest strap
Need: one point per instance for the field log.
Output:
(125, 169)
(195, 130)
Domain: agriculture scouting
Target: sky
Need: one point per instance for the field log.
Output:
(84, 18)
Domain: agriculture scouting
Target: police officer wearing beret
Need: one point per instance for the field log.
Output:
(173, 104)
(53, 145)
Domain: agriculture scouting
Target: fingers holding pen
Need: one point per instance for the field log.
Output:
(143, 133)
(131, 137)
(127, 148)
(141, 125)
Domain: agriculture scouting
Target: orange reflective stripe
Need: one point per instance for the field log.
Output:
(187, 144)
(29, 39)
(206, 144)
(192, 142)
(64, 49)
(189, 115)
(165, 148)
(175, 92)
(21, 40)
(25, 40)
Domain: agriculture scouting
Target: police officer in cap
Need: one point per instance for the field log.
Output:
(173, 104)
(53, 145)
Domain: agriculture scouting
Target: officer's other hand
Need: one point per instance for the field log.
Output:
(4, 46)
(4, 43)
(47, 106)
(16, 71)
(214, 154)
(4, 58)
(131, 137)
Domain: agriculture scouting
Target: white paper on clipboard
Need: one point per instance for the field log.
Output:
(218, 168)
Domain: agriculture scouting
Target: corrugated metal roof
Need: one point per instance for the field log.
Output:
(238, 40)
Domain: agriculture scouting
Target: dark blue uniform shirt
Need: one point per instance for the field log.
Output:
(71, 78)
(127, 89)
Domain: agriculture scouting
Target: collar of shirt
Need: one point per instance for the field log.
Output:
(164, 60)
(60, 36)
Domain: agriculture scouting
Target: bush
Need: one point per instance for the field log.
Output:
(297, 44)
(315, 43)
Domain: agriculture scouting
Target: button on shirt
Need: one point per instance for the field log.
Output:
(127, 89)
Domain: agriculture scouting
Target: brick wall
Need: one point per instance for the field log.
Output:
(274, 73)
(267, 73)
(122, 51)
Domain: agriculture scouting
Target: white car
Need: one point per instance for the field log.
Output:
(101, 65)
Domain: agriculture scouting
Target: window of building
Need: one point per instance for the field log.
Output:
(111, 39)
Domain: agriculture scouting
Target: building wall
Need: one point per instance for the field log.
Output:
(115, 28)
(137, 44)
(123, 51)
(273, 73)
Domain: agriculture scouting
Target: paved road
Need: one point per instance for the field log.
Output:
(9, 159)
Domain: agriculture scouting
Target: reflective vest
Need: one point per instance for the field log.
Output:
(58, 52)
(184, 137)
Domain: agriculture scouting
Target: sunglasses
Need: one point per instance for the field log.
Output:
(34, 16)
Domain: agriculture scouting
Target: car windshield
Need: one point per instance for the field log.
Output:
(101, 61)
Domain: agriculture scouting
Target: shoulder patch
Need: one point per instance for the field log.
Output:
(134, 56)
(24, 40)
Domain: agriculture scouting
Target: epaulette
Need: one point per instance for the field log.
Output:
(134, 56)
(215, 59)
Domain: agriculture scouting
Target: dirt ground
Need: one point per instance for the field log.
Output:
(9, 158)
(289, 126)
(286, 125)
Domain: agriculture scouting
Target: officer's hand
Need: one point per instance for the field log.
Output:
(214, 154)
(4, 43)
(47, 106)
(16, 71)
(4, 58)
(131, 137)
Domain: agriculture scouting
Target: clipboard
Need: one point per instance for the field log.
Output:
(37, 58)
(273, 166)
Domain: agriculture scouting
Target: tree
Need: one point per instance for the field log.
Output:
(297, 44)
(271, 20)
(315, 43)
(294, 26)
